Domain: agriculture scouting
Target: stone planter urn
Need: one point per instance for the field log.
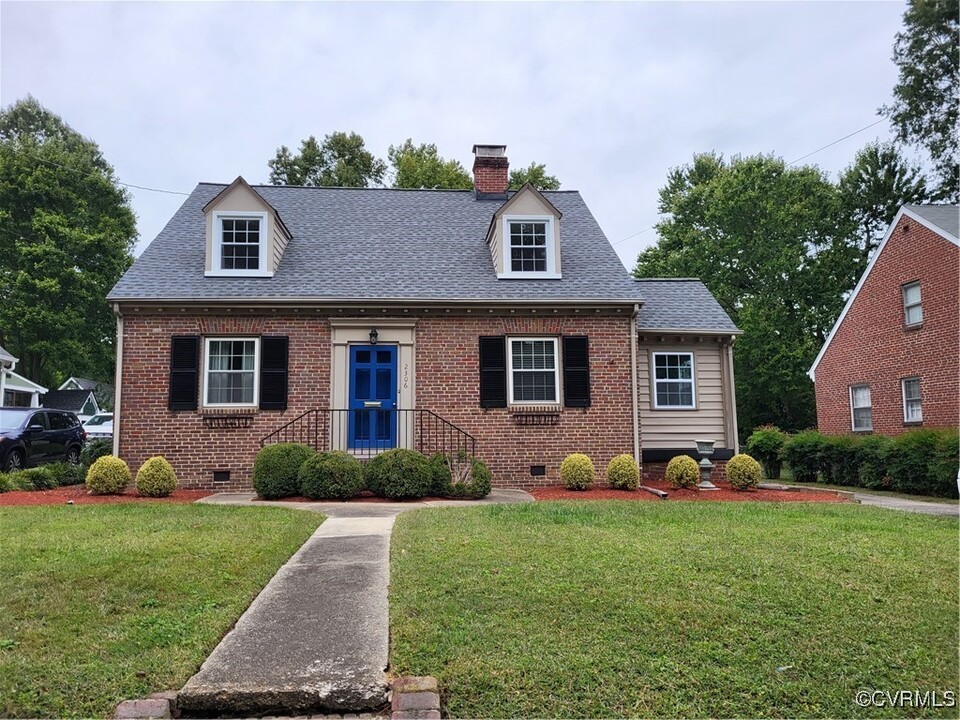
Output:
(705, 451)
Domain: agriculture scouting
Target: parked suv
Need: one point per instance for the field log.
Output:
(34, 436)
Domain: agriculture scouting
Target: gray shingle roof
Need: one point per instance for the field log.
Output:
(945, 217)
(681, 304)
(357, 244)
(72, 400)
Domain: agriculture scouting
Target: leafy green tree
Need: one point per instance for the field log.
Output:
(341, 160)
(420, 166)
(536, 175)
(66, 236)
(873, 188)
(927, 93)
(770, 243)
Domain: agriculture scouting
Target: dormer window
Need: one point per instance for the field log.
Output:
(240, 244)
(530, 248)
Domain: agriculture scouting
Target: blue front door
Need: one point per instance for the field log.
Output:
(373, 397)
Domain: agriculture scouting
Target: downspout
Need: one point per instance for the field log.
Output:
(732, 394)
(634, 392)
(117, 383)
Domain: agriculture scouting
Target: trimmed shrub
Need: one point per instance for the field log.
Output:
(94, 450)
(65, 473)
(805, 453)
(331, 476)
(399, 474)
(156, 478)
(683, 472)
(37, 478)
(924, 462)
(841, 461)
(109, 475)
(440, 478)
(477, 486)
(276, 468)
(576, 472)
(743, 472)
(766, 445)
(873, 457)
(623, 473)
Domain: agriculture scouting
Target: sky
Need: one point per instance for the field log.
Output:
(610, 96)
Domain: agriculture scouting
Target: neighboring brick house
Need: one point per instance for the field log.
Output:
(892, 360)
(363, 319)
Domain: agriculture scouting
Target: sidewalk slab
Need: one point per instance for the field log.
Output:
(904, 505)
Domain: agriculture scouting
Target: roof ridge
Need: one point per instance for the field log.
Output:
(391, 189)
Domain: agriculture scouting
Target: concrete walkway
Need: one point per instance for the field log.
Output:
(903, 504)
(316, 638)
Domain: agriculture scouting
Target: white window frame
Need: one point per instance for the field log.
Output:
(556, 370)
(903, 394)
(216, 269)
(256, 370)
(907, 307)
(693, 380)
(853, 415)
(551, 272)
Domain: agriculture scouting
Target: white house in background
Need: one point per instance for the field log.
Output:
(16, 390)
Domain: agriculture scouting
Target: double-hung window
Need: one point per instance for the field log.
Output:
(529, 247)
(912, 305)
(861, 408)
(240, 244)
(912, 405)
(230, 372)
(533, 370)
(673, 381)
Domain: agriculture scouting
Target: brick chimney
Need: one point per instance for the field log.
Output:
(490, 171)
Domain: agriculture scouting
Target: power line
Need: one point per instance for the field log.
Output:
(792, 162)
(855, 132)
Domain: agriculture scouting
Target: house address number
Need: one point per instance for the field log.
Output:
(406, 376)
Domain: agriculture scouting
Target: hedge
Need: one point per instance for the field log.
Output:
(276, 470)
(919, 462)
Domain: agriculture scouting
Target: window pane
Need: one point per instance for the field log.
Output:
(911, 294)
(240, 244)
(863, 419)
(914, 314)
(861, 396)
(675, 394)
(534, 386)
(911, 388)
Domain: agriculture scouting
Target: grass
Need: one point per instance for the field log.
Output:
(108, 602)
(616, 609)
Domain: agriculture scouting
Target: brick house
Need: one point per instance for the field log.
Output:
(892, 360)
(361, 319)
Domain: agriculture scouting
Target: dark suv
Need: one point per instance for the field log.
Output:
(33, 436)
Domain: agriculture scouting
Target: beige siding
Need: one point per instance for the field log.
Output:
(240, 199)
(279, 243)
(521, 204)
(679, 428)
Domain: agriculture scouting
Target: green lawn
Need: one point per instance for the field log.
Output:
(103, 603)
(675, 609)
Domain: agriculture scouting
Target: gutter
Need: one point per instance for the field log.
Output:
(376, 302)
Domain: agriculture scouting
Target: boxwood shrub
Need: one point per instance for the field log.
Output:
(623, 473)
(743, 472)
(683, 472)
(276, 470)
(109, 475)
(576, 472)
(399, 474)
(331, 476)
(479, 484)
(156, 478)
(439, 475)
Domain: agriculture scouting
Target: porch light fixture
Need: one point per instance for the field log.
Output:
(373, 336)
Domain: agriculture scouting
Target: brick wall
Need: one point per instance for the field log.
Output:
(148, 428)
(447, 382)
(873, 347)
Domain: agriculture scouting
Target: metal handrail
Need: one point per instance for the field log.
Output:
(365, 432)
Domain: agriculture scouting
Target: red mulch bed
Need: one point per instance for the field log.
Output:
(78, 494)
(725, 493)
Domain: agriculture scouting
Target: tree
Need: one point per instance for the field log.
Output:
(342, 160)
(66, 235)
(873, 188)
(771, 244)
(536, 175)
(925, 98)
(420, 166)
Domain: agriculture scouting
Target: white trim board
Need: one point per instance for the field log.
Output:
(866, 273)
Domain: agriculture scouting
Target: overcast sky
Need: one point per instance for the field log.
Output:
(609, 96)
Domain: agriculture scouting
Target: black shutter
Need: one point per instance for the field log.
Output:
(576, 371)
(493, 372)
(273, 372)
(184, 372)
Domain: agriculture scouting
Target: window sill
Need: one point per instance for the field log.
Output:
(914, 326)
(912, 423)
(863, 431)
(237, 273)
(529, 276)
(670, 408)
